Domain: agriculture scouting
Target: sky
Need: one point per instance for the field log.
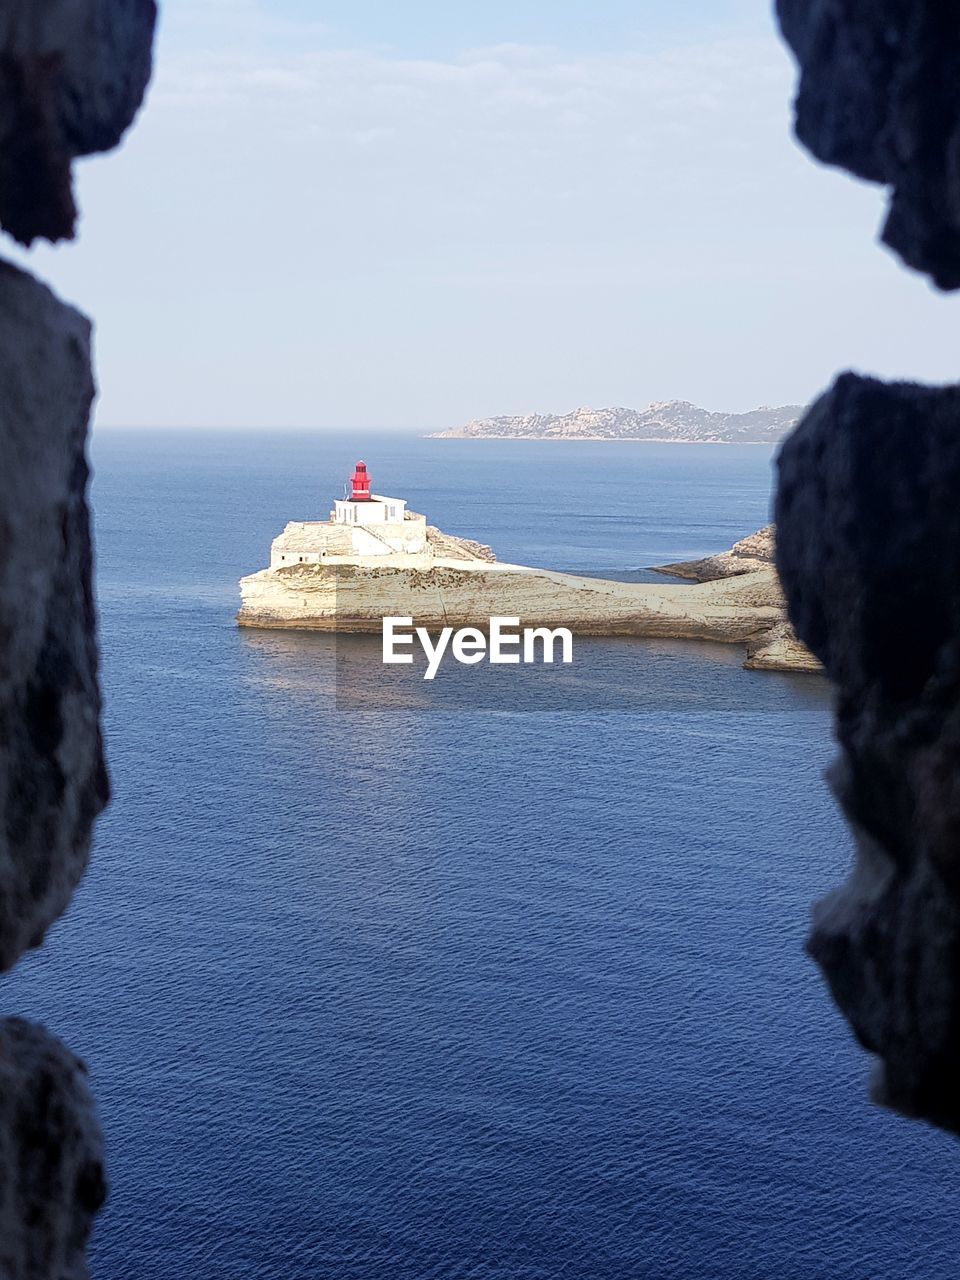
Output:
(372, 214)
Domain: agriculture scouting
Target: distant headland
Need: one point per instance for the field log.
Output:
(374, 558)
(670, 422)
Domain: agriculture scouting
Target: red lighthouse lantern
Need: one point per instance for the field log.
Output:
(360, 484)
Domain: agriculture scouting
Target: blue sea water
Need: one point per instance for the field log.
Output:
(463, 992)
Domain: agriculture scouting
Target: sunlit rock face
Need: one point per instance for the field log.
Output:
(868, 549)
(879, 95)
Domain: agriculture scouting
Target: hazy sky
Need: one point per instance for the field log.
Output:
(375, 213)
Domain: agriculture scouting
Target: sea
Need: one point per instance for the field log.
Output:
(502, 979)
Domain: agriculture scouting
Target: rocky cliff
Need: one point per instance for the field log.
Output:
(675, 421)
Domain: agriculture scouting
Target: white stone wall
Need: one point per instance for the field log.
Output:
(280, 558)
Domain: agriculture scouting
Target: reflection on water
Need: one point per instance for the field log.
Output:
(617, 675)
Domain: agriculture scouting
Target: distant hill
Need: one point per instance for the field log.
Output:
(673, 420)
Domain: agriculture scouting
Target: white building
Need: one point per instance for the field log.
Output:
(373, 510)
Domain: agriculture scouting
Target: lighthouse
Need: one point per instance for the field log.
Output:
(366, 508)
(360, 484)
(364, 526)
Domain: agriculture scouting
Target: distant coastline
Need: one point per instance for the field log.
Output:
(668, 422)
(451, 435)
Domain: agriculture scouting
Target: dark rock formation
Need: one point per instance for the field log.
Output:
(52, 777)
(51, 1156)
(880, 96)
(72, 76)
(868, 549)
(869, 554)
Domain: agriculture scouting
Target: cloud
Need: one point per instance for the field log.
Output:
(299, 232)
(511, 128)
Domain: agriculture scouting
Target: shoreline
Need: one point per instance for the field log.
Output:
(607, 440)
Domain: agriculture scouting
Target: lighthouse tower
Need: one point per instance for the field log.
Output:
(360, 484)
(364, 507)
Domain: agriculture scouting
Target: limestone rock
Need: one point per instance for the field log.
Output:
(52, 776)
(51, 1157)
(446, 592)
(868, 549)
(879, 95)
(453, 581)
(778, 649)
(754, 552)
(457, 583)
(72, 75)
(445, 544)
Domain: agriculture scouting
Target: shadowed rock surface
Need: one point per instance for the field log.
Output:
(52, 777)
(72, 76)
(879, 95)
(51, 1156)
(869, 553)
(868, 549)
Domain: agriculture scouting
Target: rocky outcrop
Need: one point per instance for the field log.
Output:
(52, 780)
(752, 554)
(672, 421)
(456, 582)
(458, 594)
(72, 76)
(51, 1156)
(869, 553)
(878, 96)
(776, 648)
(445, 544)
(72, 73)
